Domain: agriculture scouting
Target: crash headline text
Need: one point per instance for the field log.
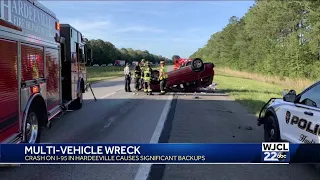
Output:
(162, 153)
(82, 150)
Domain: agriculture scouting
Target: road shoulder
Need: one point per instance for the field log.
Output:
(216, 118)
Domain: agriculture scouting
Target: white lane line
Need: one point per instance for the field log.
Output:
(110, 94)
(99, 98)
(144, 169)
(102, 97)
(107, 95)
(110, 121)
(162, 120)
(113, 118)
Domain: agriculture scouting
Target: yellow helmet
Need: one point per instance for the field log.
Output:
(142, 60)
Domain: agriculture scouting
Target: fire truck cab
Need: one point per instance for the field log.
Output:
(42, 69)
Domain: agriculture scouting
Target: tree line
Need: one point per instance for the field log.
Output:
(105, 52)
(274, 38)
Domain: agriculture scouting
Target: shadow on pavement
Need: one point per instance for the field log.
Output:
(107, 83)
(245, 90)
(254, 106)
(126, 119)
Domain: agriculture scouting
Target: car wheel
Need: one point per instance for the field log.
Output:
(197, 65)
(271, 130)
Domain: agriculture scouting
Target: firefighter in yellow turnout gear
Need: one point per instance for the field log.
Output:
(147, 78)
(163, 76)
(142, 67)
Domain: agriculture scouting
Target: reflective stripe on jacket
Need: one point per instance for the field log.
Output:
(147, 74)
(142, 70)
(163, 73)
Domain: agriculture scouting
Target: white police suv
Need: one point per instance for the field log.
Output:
(294, 118)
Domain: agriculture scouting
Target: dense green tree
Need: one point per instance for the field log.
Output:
(274, 38)
(105, 52)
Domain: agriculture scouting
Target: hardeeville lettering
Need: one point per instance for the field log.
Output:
(303, 138)
(25, 15)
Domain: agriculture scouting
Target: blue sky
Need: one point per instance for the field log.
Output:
(161, 27)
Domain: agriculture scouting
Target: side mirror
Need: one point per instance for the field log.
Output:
(89, 55)
(290, 96)
(81, 56)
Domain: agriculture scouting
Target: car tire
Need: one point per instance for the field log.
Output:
(271, 129)
(197, 65)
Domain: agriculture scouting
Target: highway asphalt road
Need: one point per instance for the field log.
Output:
(119, 117)
(116, 117)
(215, 118)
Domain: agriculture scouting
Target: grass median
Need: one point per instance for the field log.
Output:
(253, 90)
(96, 74)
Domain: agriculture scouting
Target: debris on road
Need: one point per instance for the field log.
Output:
(211, 88)
(246, 127)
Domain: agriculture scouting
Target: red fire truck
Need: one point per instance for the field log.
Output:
(179, 62)
(42, 69)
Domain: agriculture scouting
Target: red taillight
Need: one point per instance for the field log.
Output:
(57, 26)
(34, 89)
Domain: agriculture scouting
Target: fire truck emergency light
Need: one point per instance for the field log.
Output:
(57, 26)
(34, 89)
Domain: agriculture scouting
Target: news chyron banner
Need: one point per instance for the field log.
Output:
(280, 153)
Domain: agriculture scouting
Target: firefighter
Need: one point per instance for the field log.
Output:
(127, 78)
(142, 66)
(137, 76)
(147, 78)
(163, 76)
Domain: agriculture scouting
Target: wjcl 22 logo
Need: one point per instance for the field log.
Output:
(275, 152)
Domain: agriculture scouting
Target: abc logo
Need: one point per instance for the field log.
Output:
(281, 156)
(275, 156)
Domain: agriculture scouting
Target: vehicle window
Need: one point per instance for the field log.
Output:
(81, 53)
(311, 97)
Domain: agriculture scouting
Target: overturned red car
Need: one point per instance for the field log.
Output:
(189, 77)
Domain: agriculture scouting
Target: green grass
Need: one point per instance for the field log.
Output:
(252, 94)
(96, 74)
